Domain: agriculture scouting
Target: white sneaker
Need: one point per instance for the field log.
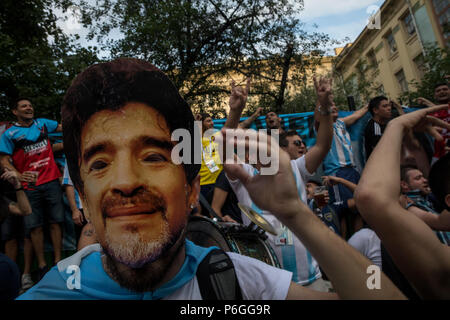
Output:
(27, 282)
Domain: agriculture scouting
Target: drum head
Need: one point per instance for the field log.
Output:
(205, 232)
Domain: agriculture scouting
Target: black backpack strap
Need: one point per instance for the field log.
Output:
(392, 272)
(217, 278)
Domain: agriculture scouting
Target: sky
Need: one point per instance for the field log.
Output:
(341, 19)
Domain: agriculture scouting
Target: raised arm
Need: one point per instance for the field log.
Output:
(238, 99)
(247, 122)
(319, 151)
(440, 222)
(355, 116)
(346, 267)
(397, 107)
(413, 246)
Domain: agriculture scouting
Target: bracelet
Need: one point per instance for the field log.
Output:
(21, 188)
(325, 112)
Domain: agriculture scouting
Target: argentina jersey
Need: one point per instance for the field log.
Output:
(424, 204)
(341, 153)
(291, 253)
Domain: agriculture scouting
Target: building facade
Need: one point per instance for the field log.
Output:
(389, 53)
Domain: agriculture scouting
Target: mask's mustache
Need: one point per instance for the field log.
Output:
(147, 198)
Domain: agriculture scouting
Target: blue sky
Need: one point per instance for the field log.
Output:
(339, 18)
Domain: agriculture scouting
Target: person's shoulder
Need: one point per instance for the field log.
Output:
(47, 122)
(299, 162)
(11, 131)
(259, 280)
(340, 123)
(253, 265)
(369, 124)
(56, 283)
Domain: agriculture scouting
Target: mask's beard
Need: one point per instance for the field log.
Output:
(133, 251)
(147, 276)
(131, 248)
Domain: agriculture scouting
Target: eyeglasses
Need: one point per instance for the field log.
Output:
(297, 143)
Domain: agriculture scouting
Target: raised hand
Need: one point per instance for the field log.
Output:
(426, 102)
(419, 121)
(324, 91)
(258, 112)
(282, 200)
(239, 95)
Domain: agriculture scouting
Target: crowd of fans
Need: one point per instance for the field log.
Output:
(34, 189)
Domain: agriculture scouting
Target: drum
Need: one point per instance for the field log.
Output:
(231, 237)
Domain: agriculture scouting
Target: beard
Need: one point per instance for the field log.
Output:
(133, 251)
(132, 258)
(131, 248)
(146, 277)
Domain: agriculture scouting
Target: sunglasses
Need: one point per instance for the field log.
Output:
(297, 143)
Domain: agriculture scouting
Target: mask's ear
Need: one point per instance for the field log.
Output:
(194, 192)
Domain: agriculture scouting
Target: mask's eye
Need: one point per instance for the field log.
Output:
(154, 157)
(98, 165)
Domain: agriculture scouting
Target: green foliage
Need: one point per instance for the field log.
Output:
(37, 60)
(199, 42)
(359, 85)
(437, 66)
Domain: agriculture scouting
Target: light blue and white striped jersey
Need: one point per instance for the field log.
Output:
(67, 181)
(422, 202)
(341, 153)
(294, 258)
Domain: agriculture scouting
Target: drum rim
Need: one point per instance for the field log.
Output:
(226, 236)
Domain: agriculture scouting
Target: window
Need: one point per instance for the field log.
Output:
(402, 81)
(440, 5)
(409, 24)
(419, 62)
(442, 11)
(391, 43)
(372, 59)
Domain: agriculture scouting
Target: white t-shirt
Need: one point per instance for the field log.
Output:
(258, 281)
(367, 242)
(293, 256)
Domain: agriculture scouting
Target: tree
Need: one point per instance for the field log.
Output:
(436, 65)
(37, 60)
(199, 43)
(359, 85)
(284, 65)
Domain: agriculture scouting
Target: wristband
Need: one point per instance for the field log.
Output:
(21, 188)
(323, 112)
